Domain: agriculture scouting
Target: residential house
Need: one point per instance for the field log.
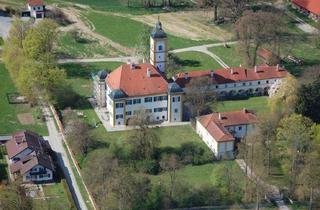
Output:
(29, 157)
(36, 8)
(310, 8)
(221, 131)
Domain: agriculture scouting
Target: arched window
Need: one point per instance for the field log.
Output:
(160, 47)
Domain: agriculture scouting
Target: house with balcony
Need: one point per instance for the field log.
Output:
(29, 157)
(36, 8)
(222, 131)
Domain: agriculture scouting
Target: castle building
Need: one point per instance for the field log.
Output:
(132, 88)
(159, 48)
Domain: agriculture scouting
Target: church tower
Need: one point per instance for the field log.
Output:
(159, 48)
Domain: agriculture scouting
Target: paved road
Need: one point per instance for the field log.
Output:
(5, 24)
(272, 191)
(56, 144)
(200, 48)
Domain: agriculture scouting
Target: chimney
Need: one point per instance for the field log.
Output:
(132, 66)
(256, 69)
(174, 78)
(240, 65)
(244, 110)
(212, 74)
(278, 67)
(246, 72)
(186, 76)
(149, 72)
(220, 116)
(232, 71)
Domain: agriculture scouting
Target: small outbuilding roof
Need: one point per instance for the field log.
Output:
(35, 3)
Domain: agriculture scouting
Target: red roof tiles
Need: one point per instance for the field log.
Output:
(234, 74)
(216, 125)
(135, 82)
(35, 2)
(310, 5)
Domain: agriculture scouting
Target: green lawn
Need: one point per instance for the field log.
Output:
(230, 55)
(79, 74)
(68, 46)
(126, 31)
(197, 176)
(189, 61)
(8, 112)
(258, 104)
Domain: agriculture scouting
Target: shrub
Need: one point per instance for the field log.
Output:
(147, 166)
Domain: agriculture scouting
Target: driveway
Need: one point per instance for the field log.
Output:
(5, 25)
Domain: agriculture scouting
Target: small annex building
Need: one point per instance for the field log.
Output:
(221, 131)
(36, 8)
(310, 8)
(29, 157)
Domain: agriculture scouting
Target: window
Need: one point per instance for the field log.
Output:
(163, 117)
(38, 8)
(259, 82)
(225, 85)
(119, 116)
(137, 101)
(176, 99)
(267, 81)
(128, 102)
(128, 113)
(244, 84)
(160, 98)
(240, 128)
(217, 86)
(234, 85)
(161, 109)
(250, 83)
(160, 47)
(119, 105)
(176, 110)
(147, 99)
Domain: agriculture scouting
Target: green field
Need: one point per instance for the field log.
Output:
(229, 55)
(8, 113)
(79, 75)
(189, 61)
(127, 32)
(258, 104)
(83, 47)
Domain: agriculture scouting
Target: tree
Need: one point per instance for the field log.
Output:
(199, 93)
(285, 99)
(255, 29)
(294, 136)
(171, 164)
(13, 196)
(77, 133)
(142, 50)
(39, 41)
(143, 141)
(210, 4)
(308, 103)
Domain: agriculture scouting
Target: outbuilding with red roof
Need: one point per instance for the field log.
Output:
(308, 7)
(36, 8)
(221, 131)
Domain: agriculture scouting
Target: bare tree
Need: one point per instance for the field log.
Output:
(255, 29)
(171, 164)
(199, 93)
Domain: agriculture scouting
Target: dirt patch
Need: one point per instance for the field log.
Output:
(190, 24)
(26, 118)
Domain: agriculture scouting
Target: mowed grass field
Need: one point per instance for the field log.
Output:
(9, 112)
(190, 61)
(230, 55)
(127, 32)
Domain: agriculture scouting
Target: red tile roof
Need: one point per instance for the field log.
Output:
(23, 140)
(28, 162)
(216, 126)
(135, 82)
(35, 2)
(265, 53)
(234, 74)
(310, 5)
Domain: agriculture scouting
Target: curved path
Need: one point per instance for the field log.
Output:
(200, 48)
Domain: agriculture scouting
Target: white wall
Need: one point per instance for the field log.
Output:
(34, 10)
(177, 105)
(37, 177)
(207, 138)
(158, 57)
